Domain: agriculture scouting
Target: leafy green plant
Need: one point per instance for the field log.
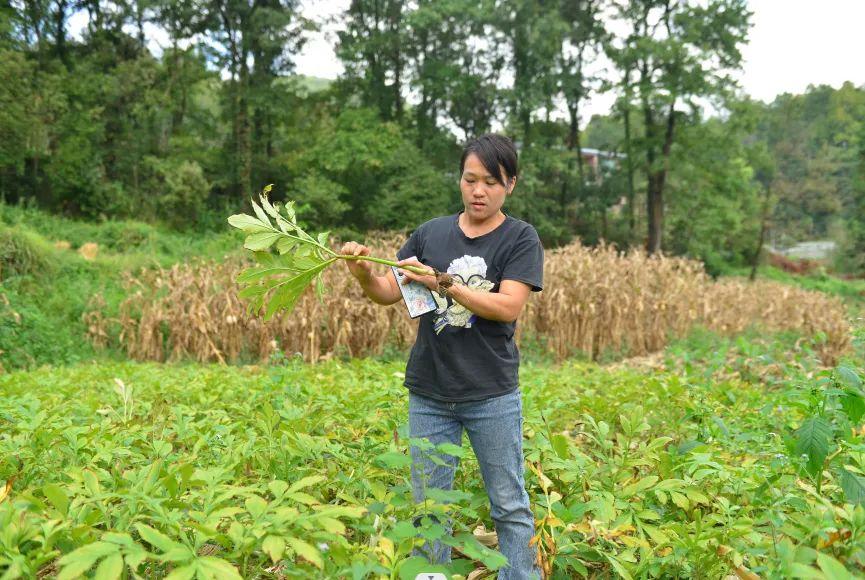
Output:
(835, 405)
(279, 280)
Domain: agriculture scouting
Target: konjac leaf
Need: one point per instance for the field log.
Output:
(853, 405)
(260, 212)
(110, 568)
(853, 486)
(156, 538)
(78, 561)
(183, 573)
(57, 496)
(848, 377)
(306, 550)
(217, 568)
(285, 245)
(812, 440)
(274, 546)
(306, 482)
(247, 223)
(260, 241)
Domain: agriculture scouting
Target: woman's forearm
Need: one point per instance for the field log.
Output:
(379, 289)
(490, 305)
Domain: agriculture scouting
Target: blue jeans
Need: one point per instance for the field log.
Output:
(494, 428)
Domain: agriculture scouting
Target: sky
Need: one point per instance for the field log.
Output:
(792, 44)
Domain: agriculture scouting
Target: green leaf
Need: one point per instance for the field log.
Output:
(848, 377)
(261, 241)
(619, 568)
(274, 546)
(157, 539)
(260, 213)
(277, 487)
(803, 571)
(268, 207)
(812, 440)
(342, 511)
(560, 445)
(289, 212)
(118, 538)
(418, 567)
(57, 496)
(290, 290)
(853, 486)
(94, 550)
(256, 506)
(91, 482)
(111, 568)
(285, 245)
(75, 568)
(331, 525)
(853, 405)
(247, 223)
(680, 500)
(394, 459)
(183, 573)
(305, 482)
(217, 568)
(832, 568)
(322, 238)
(451, 449)
(639, 486)
(306, 550)
(77, 562)
(251, 275)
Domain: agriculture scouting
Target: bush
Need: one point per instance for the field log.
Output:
(23, 253)
(179, 191)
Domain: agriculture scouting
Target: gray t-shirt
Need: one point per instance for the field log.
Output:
(459, 356)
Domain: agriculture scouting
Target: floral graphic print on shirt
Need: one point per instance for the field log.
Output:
(471, 271)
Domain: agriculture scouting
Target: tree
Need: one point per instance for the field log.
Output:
(372, 46)
(681, 53)
(254, 41)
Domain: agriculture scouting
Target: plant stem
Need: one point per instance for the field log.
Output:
(415, 269)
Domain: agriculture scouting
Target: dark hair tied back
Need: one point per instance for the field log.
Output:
(495, 152)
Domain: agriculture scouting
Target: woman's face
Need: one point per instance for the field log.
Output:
(483, 195)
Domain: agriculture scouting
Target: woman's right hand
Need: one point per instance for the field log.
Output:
(360, 269)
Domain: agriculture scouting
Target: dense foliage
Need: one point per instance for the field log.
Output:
(174, 111)
(301, 470)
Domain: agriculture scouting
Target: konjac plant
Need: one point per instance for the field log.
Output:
(281, 277)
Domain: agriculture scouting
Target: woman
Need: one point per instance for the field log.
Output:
(463, 369)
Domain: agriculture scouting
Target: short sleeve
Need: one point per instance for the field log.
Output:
(411, 246)
(526, 261)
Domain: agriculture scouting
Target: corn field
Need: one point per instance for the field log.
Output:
(595, 301)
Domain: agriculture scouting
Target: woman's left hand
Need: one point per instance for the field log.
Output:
(429, 281)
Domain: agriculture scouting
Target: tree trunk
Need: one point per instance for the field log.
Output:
(60, 33)
(244, 142)
(632, 197)
(657, 177)
(764, 225)
(574, 140)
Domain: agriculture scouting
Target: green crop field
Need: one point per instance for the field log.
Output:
(723, 456)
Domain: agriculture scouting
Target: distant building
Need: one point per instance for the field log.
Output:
(595, 160)
(813, 250)
(600, 161)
